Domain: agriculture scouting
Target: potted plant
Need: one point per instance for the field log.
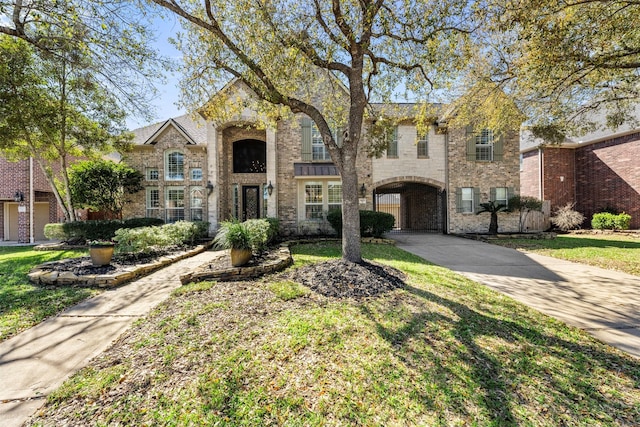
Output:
(101, 252)
(235, 236)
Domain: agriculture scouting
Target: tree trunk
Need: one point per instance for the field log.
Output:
(493, 225)
(350, 211)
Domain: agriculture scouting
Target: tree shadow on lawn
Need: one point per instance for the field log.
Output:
(507, 363)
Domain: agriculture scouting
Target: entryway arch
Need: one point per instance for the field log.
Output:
(418, 204)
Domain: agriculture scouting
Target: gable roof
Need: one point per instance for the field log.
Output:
(193, 130)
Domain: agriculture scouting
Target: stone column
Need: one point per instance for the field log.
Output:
(214, 137)
(272, 173)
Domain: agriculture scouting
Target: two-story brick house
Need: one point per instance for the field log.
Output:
(197, 169)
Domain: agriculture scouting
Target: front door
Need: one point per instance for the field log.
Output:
(250, 202)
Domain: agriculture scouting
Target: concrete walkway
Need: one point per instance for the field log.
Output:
(605, 303)
(37, 361)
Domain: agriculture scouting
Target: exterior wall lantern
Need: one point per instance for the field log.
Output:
(270, 188)
(19, 196)
(209, 187)
(363, 191)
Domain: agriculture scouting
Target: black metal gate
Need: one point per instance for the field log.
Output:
(416, 207)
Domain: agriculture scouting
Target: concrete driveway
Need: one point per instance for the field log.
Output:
(605, 303)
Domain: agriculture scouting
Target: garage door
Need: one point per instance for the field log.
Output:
(41, 217)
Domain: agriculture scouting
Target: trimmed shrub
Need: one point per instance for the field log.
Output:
(567, 219)
(609, 221)
(371, 223)
(95, 230)
(259, 234)
(144, 239)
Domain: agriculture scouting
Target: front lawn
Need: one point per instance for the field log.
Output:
(442, 351)
(610, 251)
(22, 304)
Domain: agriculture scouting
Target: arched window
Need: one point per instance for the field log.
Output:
(174, 166)
(249, 156)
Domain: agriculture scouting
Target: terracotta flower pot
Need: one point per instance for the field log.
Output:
(101, 254)
(240, 257)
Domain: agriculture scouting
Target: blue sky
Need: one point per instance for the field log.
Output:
(168, 92)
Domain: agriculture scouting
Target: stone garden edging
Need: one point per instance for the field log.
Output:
(282, 261)
(41, 276)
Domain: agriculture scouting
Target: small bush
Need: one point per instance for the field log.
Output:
(371, 223)
(55, 232)
(609, 221)
(567, 219)
(144, 239)
(254, 234)
(233, 235)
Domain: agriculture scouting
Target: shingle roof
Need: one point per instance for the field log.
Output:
(194, 128)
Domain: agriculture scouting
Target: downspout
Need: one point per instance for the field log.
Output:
(446, 182)
(540, 173)
(31, 203)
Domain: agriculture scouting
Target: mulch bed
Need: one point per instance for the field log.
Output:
(82, 266)
(344, 279)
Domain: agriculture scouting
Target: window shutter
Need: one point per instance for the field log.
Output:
(471, 143)
(305, 125)
(458, 200)
(492, 194)
(476, 199)
(510, 194)
(498, 148)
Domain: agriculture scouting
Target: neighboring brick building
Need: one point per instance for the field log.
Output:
(15, 201)
(599, 171)
(196, 169)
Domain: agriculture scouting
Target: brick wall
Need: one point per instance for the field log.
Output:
(290, 202)
(15, 177)
(559, 180)
(482, 175)
(153, 156)
(530, 174)
(608, 175)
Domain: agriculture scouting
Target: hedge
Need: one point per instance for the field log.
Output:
(144, 239)
(371, 223)
(609, 221)
(95, 230)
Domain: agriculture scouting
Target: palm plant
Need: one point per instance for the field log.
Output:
(493, 208)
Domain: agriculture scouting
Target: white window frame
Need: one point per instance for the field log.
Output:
(319, 151)
(466, 197)
(423, 146)
(196, 205)
(327, 196)
(196, 174)
(173, 211)
(153, 174)
(392, 143)
(174, 171)
(502, 200)
(484, 145)
(152, 203)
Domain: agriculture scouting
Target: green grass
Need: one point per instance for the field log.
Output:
(613, 252)
(444, 351)
(23, 305)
